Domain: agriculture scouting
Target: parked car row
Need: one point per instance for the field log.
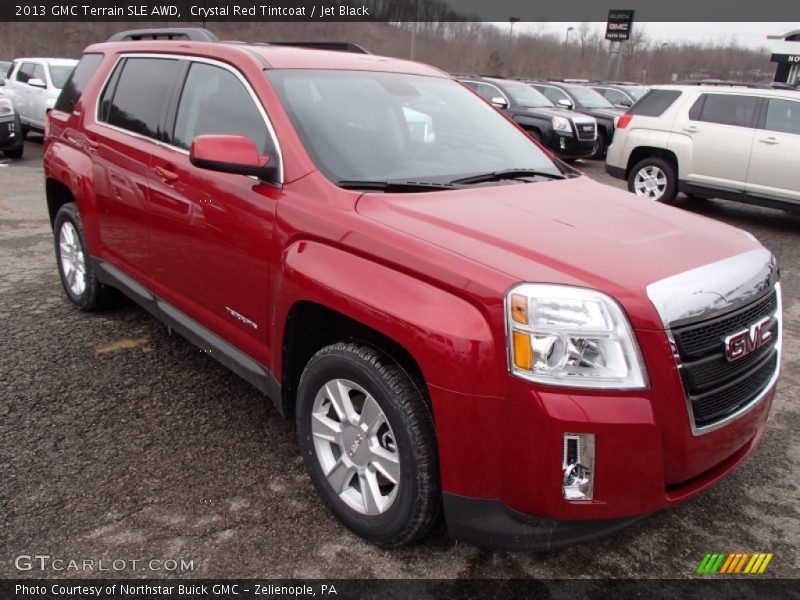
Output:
(535, 103)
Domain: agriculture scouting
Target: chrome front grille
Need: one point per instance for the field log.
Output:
(586, 131)
(716, 387)
(707, 313)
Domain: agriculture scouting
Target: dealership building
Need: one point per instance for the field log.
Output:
(786, 52)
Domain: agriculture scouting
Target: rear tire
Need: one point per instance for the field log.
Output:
(368, 441)
(654, 178)
(80, 282)
(14, 153)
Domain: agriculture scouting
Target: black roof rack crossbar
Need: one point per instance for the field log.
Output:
(336, 46)
(720, 82)
(191, 34)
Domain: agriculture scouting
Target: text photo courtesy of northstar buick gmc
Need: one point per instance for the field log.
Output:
(455, 321)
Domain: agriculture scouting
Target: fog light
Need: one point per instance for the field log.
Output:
(563, 143)
(578, 466)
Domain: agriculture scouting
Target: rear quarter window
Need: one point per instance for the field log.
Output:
(77, 82)
(654, 103)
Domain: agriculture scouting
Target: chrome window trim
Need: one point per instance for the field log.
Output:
(712, 290)
(197, 59)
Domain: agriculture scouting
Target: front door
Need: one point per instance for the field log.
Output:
(211, 232)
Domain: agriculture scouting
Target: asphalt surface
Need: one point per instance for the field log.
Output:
(121, 442)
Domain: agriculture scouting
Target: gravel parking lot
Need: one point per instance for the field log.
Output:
(120, 441)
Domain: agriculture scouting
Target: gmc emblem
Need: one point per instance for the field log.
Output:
(742, 343)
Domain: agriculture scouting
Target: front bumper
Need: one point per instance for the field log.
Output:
(565, 146)
(503, 484)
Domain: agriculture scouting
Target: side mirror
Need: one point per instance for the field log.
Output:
(231, 154)
(564, 103)
(36, 82)
(499, 102)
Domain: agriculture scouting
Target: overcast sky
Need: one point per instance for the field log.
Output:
(750, 34)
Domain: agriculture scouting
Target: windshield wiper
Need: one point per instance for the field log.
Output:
(506, 174)
(392, 186)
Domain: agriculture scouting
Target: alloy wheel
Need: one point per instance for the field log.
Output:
(650, 182)
(356, 447)
(73, 258)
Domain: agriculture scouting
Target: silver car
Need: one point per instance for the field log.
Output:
(33, 85)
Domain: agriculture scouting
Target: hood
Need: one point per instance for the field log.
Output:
(548, 111)
(572, 231)
(604, 113)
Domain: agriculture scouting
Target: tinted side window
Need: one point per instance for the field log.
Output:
(553, 94)
(729, 109)
(77, 82)
(616, 97)
(25, 72)
(654, 103)
(142, 94)
(214, 101)
(697, 108)
(38, 73)
(783, 115)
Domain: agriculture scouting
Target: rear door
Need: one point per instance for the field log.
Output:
(211, 232)
(129, 125)
(775, 156)
(720, 128)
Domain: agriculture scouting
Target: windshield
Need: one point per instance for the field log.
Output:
(588, 98)
(59, 74)
(375, 126)
(526, 96)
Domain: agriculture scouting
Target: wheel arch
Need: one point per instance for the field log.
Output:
(323, 293)
(642, 152)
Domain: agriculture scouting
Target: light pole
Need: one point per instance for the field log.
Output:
(511, 20)
(664, 46)
(566, 38)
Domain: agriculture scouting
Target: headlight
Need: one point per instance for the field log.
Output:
(562, 124)
(6, 107)
(572, 337)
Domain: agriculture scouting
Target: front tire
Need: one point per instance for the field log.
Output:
(654, 178)
(80, 282)
(600, 146)
(14, 153)
(368, 441)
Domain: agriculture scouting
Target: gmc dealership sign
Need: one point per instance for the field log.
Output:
(619, 26)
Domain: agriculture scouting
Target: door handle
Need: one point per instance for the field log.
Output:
(769, 140)
(166, 175)
(691, 129)
(92, 144)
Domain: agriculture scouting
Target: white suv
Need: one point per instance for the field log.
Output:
(33, 85)
(733, 142)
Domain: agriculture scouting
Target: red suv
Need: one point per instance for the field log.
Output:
(455, 319)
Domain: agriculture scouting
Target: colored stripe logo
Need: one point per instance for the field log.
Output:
(730, 563)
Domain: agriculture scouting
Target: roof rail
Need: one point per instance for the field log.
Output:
(721, 82)
(336, 46)
(192, 34)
